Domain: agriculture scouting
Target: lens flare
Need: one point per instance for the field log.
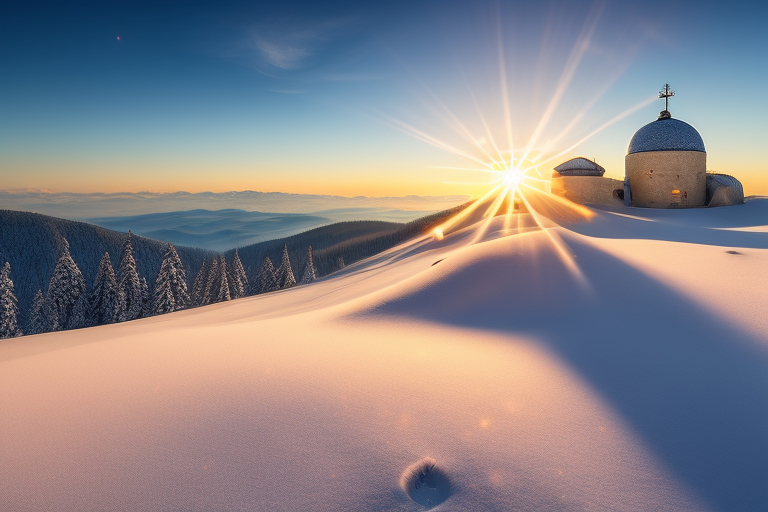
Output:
(517, 177)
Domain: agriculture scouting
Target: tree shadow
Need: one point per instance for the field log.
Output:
(691, 384)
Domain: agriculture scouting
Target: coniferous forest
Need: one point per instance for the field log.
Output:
(58, 274)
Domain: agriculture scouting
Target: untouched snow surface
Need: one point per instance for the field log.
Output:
(616, 364)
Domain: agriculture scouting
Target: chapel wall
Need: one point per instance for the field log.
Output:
(667, 179)
(588, 189)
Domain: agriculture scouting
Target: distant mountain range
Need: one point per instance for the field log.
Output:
(88, 206)
(215, 230)
(220, 230)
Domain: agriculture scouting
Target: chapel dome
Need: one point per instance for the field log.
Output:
(666, 134)
(580, 166)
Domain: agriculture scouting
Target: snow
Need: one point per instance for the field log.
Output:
(616, 364)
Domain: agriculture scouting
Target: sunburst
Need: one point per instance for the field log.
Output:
(518, 177)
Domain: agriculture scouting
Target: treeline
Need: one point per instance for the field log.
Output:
(69, 303)
(340, 244)
(68, 300)
(254, 255)
(33, 243)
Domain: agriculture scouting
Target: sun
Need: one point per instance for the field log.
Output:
(512, 177)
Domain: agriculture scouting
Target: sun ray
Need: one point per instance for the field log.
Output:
(575, 207)
(504, 90)
(495, 206)
(580, 48)
(459, 182)
(510, 214)
(462, 129)
(429, 139)
(484, 123)
(466, 212)
(609, 123)
(605, 84)
(473, 169)
(457, 126)
(559, 245)
(490, 214)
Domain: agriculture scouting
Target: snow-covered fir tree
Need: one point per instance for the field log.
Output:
(146, 303)
(198, 287)
(266, 280)
(81, 313)
(65, 289)
(340, 263)
(171, 284)
(223, 282)
(309, 269)
(9, 305)
(38, 314)
(129, 283)
(106, 298)
(238, 281)
(217, 285)
(284, 274)
(212, 283)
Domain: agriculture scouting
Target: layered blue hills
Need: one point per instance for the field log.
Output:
(216, 230)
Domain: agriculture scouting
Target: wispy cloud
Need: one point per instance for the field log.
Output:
(283, 55)
(291, 45)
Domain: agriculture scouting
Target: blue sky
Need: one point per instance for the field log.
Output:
(339, 97)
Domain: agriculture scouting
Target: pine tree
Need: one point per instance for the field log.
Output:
(309, 270)
(223, 282)
(238, 281)
(9, 305)
(284, 273)
(212, 283)
(81, 313)
(129, 283)
(106, 301)
(64, 292)
(340, 263)
(146, 303)
(171, 284)
(217, 283)
(198, 287)
(266, 280)
(38, 316)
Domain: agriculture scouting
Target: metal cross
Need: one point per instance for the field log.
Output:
(666, 93)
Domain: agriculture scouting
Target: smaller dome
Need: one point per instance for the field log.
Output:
(723, 190)
(666, 134)
(580, 166)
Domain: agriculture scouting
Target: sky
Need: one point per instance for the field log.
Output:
(365, 98)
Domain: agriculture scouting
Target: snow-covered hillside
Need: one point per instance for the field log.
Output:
(615, 364)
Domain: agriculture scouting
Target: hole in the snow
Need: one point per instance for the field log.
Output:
(734, 252)
(425, 483)
(438, 261)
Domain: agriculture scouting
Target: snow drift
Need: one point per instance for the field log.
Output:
(617, 364)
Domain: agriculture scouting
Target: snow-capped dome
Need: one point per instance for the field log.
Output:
(580, 166)
(666, 134)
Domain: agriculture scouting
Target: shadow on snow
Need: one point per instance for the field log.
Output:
(691, 384)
